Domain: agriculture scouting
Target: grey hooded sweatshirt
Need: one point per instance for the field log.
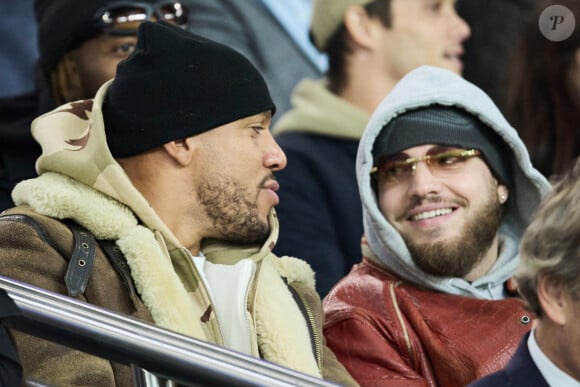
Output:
(422, 87)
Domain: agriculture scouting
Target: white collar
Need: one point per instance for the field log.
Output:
(554, 376)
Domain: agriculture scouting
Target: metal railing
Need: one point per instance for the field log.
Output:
(167, 357)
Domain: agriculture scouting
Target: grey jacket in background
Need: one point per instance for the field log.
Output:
(249, 27)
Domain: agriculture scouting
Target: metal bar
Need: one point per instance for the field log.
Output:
(126, 340)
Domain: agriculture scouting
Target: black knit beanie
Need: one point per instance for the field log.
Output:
(175, 85)
(65, 24)
(444, 125)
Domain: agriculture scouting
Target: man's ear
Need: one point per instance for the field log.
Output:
(552, 298)
(360, 26)
(66, 80)
(502, 193)
(181, 150)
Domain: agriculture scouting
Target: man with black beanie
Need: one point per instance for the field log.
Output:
(80, 44)
(447, 190)
(174, 162)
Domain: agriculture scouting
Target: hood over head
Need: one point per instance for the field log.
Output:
(467, 112)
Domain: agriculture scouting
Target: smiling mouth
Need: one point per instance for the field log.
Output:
(431, 214)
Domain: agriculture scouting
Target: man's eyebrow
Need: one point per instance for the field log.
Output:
(266, 117)
(398, 156)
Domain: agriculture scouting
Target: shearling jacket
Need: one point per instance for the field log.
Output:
(80, 181)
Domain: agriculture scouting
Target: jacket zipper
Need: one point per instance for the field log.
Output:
(314, 336)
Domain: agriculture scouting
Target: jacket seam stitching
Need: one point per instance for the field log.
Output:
(400, 317)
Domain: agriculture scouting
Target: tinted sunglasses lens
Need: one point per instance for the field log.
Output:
(123, 18)
(173, 13)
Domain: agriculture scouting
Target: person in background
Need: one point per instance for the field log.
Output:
(489, 49)
(80, 44)
(543, 92)
(370, 46)
(548, 279)
(447, 189)
(18, 51)
(174, 188)
(272, 34)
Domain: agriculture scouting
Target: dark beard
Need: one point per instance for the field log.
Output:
(233, 213)
(458, 257)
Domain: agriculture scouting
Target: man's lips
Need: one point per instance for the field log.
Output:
(271, 187)
(455, 56)
(454, 53)
(430, 212)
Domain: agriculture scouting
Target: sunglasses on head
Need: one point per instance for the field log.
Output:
(123, 18)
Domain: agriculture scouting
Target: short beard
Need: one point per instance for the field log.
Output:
(233, 211)
(458, 257)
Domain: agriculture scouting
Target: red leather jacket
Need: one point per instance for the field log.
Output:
(390, 333)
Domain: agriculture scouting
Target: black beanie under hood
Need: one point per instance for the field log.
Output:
(452, 126)
(175, 85)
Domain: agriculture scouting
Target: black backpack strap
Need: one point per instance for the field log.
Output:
(82, 259)
(81, 262)
(117, 259)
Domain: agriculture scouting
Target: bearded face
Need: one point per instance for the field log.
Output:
(456, 257)
(232, 209)
(448, 215)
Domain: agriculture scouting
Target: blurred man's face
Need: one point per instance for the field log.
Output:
(83, 70)
(424, 32)
(96, 61)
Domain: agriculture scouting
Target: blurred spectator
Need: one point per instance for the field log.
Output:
(549, 280)
(371, 45)
(543, 93)
(18, 50)
(80, 44)
(272, 34)
(496, 26)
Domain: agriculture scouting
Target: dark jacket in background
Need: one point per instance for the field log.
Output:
(496, 27)
(320, 212)
(520, 371)
(18, 150)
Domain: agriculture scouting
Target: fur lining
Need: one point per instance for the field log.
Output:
(295, 270)
(61, 197)
(283, 336)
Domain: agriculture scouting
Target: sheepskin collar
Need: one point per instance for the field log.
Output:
(282, 334)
